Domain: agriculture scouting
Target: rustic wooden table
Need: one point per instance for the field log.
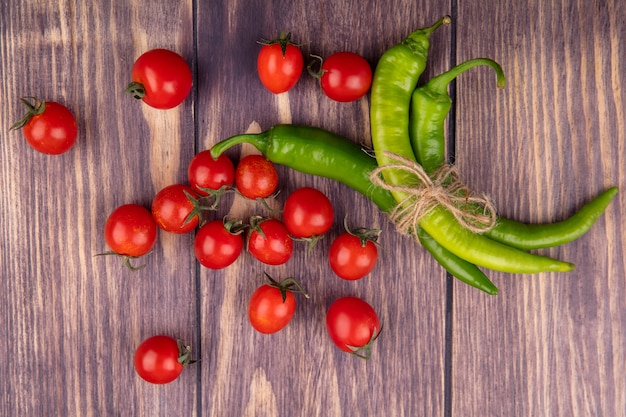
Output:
(553, 344)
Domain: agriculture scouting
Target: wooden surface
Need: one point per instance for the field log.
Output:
(547, 345)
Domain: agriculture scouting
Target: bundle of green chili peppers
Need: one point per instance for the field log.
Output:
(407, 126)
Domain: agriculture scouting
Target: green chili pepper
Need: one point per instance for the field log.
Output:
(482, 251)
(402, 65)
(430, 105)
(395, 79)
(534, 236)
(457, 267)
(318, 152)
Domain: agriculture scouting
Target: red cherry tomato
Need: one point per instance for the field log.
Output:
(344, 76)
(353, 325)
(161, 359)
(48, 127)
(267, 311)
(161, 78)
(280, 64)
(171, 209)
(353, 254)
(206, 173)
(269, 241)
(256, 177)
(273, 305)
(130, 230)
(308, 213)
(215, 246)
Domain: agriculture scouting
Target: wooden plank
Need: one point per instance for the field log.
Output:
(547, 345)
(71, 321)
(298, 371)
(551, 344)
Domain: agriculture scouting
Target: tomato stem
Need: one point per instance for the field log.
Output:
(255, 224)
(216, 194)
(283, 41)
(265, 204)
(316, 74)
(311, 241)
(199, 208)
(33, 109)
(286, 285)
(364, 234)
(126, 260)
(262, 200)
(235, 226)
(136, 89)
(365, 352)
(184, 353)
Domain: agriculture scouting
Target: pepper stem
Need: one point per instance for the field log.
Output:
(258, 140)
(419, 40)
(439, 84)
(427, 31)
(445, 20)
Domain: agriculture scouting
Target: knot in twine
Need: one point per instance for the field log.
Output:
(442, 188)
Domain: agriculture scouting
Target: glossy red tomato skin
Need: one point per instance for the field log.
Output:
(52, 132)
(130, 230)
(256, 177)
(156, 360)
(208, 173)
(349, 259)
(308, 212)
(216, 247)
(267, 312)
(165, 76)
(351, 321)
(171, 207)
(346, 76)
(279, 73)
(272, 247)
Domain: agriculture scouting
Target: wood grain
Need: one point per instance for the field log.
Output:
(551, 344)
(297, 372)
(72, 321)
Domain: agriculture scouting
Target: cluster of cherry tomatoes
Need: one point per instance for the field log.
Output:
(306, 215)
(344, 76)
(162, 79)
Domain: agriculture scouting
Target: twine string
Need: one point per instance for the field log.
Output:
(442, 188)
